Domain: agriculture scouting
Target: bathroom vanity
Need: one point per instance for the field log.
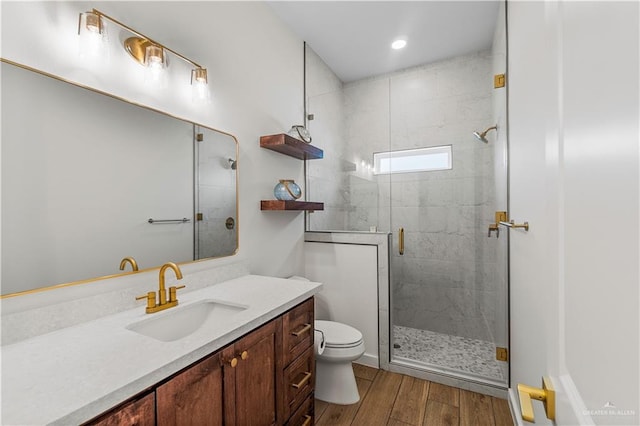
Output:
(265, 377)
(253, 365)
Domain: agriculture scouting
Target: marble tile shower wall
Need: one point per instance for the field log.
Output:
(446, 276)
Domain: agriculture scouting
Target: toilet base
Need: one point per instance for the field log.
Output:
(336, 383)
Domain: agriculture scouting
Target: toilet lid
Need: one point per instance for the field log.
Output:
(337, 334)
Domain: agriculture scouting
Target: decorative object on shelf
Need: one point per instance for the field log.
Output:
(149, 53)
(300, 132)
(287, 190)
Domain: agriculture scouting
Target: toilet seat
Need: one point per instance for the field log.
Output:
(338, 335)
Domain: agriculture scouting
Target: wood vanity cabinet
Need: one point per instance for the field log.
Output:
(140, 411)
(251, 389)
(193, 397)
(264, 378)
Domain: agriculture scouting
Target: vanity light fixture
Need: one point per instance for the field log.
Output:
(398, 44)
(149, 53)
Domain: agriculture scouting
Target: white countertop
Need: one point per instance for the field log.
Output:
(71, 375)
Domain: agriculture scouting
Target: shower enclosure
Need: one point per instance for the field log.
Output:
(414, 154)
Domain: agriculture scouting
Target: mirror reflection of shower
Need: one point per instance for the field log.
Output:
(483, 136)
(233, 163)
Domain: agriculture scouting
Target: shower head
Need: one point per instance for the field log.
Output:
(233, 163)
(482, 136)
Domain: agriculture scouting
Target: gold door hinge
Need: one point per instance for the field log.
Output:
(502, 354)
(499, 81)
(199, 216)
(200, 137)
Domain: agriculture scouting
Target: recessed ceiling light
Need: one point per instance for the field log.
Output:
(398, 44)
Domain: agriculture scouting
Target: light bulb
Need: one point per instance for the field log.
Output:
(92, 36)
(200, 86)
(154, 61)
(398, 44)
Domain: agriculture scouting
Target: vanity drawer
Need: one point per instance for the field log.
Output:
(297, 333)
(304, 415)
(299, 381)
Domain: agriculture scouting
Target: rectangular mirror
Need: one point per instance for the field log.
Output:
(83, 174)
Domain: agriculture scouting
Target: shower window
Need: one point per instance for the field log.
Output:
(413, 160)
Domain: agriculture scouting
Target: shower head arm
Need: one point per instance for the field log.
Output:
(483, 134)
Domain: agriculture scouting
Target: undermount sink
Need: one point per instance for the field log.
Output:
(181, 321)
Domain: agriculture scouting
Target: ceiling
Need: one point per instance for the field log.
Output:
(354, 37)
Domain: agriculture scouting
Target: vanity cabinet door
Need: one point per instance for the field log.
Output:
(253, 389)
(193, 397)
(139, 412)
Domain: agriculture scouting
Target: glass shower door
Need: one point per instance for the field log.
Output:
(448, 279)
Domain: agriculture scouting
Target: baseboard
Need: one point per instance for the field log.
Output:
(368, 360)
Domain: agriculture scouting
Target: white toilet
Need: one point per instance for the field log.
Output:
(342, 344)
(335, 381)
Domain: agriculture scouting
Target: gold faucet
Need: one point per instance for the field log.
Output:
(162, 302)
(132, 261)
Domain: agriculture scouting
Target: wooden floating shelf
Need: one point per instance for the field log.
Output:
(290, 146)
(290, 205)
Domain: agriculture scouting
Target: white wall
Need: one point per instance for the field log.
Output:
(349, 273)
(255, 73)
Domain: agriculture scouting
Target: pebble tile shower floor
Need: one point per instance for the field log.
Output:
(462, 354)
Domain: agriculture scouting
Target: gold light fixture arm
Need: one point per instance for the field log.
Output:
(144, 37)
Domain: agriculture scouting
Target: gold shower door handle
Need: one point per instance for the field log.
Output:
(547, 395)
(401, 241)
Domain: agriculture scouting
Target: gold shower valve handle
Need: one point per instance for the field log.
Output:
(513, 224)
(547, 395)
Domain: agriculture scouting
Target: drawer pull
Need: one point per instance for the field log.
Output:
(304, 380)
(243, 355)
(303, 330)
(307, 420)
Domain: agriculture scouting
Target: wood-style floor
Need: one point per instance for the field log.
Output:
(397, 400)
